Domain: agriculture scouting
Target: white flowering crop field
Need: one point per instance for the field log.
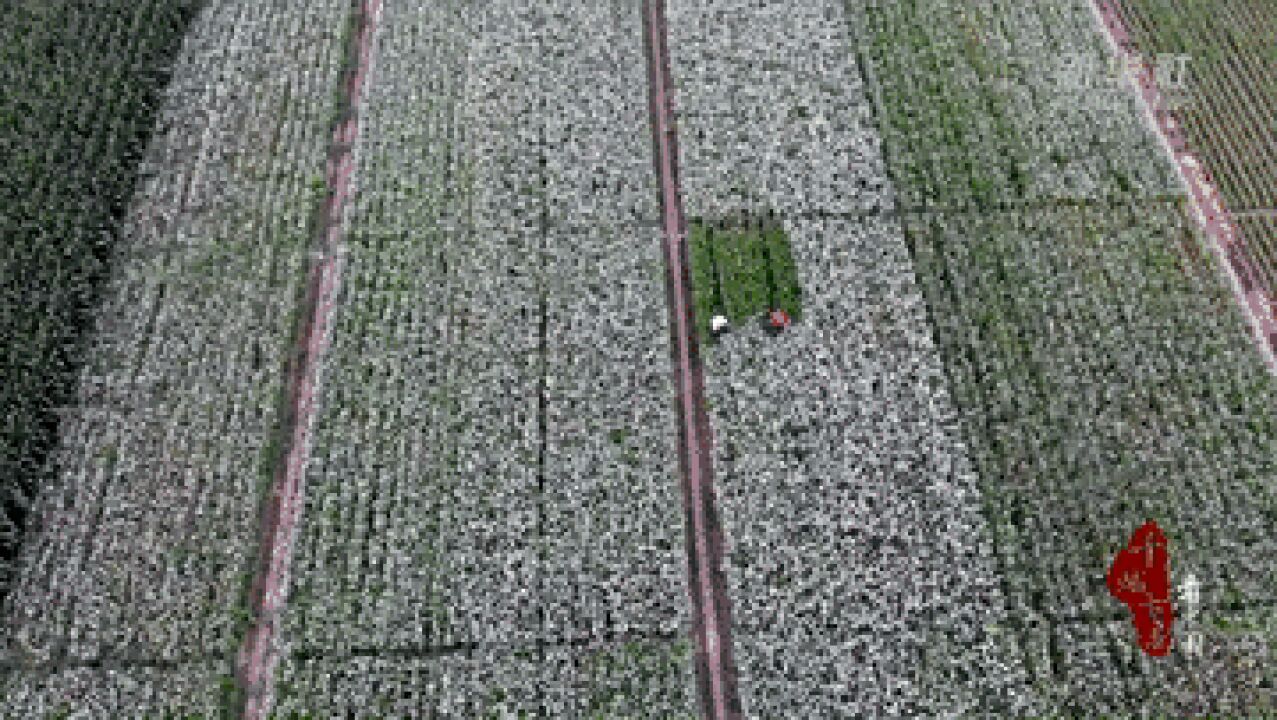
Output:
(992, 339)
(492, 515)
(859, 571)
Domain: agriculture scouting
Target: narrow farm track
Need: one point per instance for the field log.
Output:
(1206, 203)
(711, 612)
(260, 652)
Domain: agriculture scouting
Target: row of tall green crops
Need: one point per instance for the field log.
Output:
(81, 83)
(1104, 376)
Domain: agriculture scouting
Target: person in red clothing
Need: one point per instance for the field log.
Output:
(775, 321)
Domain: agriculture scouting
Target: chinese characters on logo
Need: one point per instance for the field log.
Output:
(1080, 72)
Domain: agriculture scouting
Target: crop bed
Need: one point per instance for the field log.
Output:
(144, 538)
(492, 516)
(859, 574)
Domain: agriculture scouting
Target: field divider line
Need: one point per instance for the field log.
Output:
(711, 616)
(1205, 202)
(259, 655)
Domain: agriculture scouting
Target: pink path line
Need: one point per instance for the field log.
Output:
(260, 653)
(711, 617)
(1204, 200)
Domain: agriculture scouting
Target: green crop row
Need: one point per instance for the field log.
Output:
(983, 105)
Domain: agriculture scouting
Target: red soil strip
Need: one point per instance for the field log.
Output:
(711, 617)
(260, 653)
(1204, 200)
(1141, 580)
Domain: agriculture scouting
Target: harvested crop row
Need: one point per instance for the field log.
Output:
(81, 83)
(858, 570)
(492, 502)
(148, 532)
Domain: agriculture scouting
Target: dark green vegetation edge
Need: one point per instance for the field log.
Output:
(83, 83)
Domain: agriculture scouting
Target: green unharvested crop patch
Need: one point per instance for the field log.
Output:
(741, 268)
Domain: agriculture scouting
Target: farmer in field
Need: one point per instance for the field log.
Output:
(775, 321)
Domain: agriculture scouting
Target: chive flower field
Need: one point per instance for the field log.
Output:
(657, 359)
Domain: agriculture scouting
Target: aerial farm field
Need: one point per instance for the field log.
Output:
(660, 359)
(129, 595)
(1101, 368)
(493, 522)
(78, 107)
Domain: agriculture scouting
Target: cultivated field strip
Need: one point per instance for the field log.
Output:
(492, 503)
(148, 532)
(1232, 87)
(988, 103)
(82, 87)
(741, 138)
(1104, 377)
(122, 691)
(1095, 400)
(859, 572)
(636, 678)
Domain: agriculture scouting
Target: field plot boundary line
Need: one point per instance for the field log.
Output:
(260, 652)
(1205, 202)
(711, 617)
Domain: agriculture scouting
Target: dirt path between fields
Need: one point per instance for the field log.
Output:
(260, 653)
(711, 616)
